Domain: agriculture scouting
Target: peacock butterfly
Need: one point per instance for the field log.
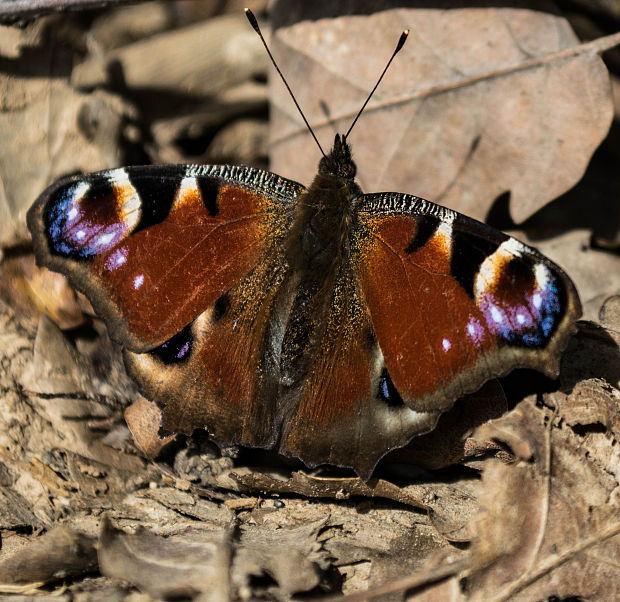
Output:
(323, 322)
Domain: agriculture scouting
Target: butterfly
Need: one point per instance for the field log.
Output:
(322, 322)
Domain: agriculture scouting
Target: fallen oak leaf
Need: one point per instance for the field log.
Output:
(550, 524)
(459, 118)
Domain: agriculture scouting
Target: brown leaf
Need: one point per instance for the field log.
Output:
(551, 520)
(450, 508)
(293, 557)
(32, 291)
(178, 566)
(58, 554)
(476, 104)
(143, 418)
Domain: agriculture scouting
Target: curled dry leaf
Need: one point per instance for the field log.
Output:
(143, 418)
(188, 565)
(476, 104)
(208, 564)
(551, 520)
(60, 553)
(449, 507)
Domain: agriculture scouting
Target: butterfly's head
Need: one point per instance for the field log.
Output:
(339, 161)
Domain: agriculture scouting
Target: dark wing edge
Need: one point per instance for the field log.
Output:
(130, 200)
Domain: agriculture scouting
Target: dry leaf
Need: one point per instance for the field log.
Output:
(449, 508)
(48, 130)
(551, 520)
(194, 565)
(293, 557)
(143, 418)
(474, 105)
(58, 554)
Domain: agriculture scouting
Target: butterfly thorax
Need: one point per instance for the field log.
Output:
(322, 221)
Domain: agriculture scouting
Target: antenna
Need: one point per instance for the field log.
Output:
(254, 23)
(401, 43)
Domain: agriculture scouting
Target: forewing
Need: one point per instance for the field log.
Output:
(454, 302)
(153, 247)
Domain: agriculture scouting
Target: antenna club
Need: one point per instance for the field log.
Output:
(402, 40)
(252, 19)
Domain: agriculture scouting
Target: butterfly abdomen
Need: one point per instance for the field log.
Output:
(316, 247)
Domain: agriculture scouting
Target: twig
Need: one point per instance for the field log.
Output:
(594, 47)
(406, 583)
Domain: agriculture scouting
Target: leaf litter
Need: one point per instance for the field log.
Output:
(534, 489)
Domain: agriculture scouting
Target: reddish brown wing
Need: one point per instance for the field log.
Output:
(454, 302)
(216, 373)
(153, 247)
